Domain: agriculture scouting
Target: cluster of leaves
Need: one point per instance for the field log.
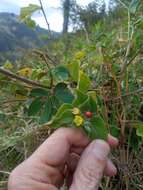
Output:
(54, 106)
(64, 116)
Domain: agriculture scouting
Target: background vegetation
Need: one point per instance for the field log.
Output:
(100, 63)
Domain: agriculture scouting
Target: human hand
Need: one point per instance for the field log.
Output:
(66, 154)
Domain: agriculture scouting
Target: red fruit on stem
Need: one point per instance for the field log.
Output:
(88, 114)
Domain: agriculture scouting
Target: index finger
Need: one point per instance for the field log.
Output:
(55, 150)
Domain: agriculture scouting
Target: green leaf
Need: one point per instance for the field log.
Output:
(30, 23)
(55, 104)
(134, 6)
(61, 73)
(87, 128)
(65, 118)
(46, 112)
(80, 98)
(62, 109)
(139, 130)
(35, 107)
(92, 103)
(115, 131)
(74, 70)
(84, 82)
(85, 106)
(99, 129)
(89, 105)
(63, 93)
(39, 92)
(26, 13)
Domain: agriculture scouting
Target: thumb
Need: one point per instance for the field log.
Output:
(91, 166)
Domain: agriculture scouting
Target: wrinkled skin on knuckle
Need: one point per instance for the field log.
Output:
(90, 176)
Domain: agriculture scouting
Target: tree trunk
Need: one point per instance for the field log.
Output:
(66, 13)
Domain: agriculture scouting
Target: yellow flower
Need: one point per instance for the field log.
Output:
(76, 111)
(8, 65)
(80, 55)
(25, 72)
(78, 120)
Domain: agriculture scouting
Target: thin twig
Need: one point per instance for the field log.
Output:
(53, 61)
(22, 79)
(140, 90)
(45, 55)
(47, 64)
(136, 54)
(44, 14)
(127, 63)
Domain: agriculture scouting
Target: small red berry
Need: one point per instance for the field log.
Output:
(88, 114)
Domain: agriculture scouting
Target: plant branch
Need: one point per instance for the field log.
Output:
(45, 55)
(136, 54)
(127, 63)
(140, 90)
(44, 14)
(22, 79)
(45, 58)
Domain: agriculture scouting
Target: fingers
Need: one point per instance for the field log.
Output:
(55, 150)
(110, 169)
(48, 161)
(91, 166)
(71, 167)
(112, 141)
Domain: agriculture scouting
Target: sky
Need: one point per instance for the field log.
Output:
(52, 8)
